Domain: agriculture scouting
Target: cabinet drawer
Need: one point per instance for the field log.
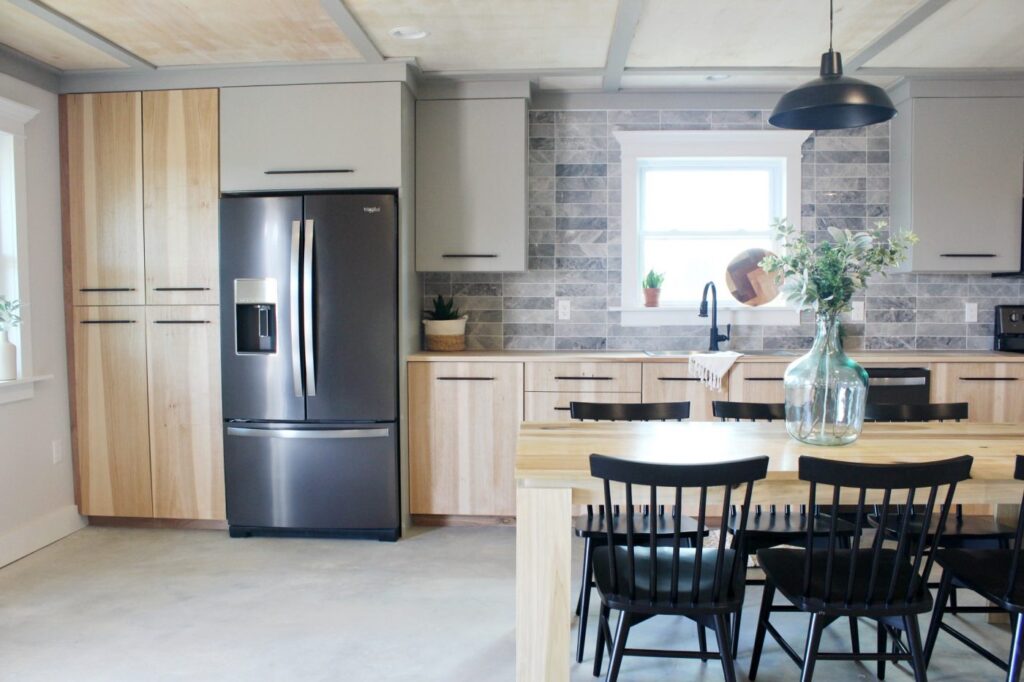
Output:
(758, 382)
(671, 382)
(554, 407)
(993, 391)
(603, 377)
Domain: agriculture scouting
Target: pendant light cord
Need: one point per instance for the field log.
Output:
(831, 11)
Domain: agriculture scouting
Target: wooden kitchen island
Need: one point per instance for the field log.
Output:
(552, 474)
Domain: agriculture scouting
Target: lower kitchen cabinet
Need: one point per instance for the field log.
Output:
(111, 411)
(183, 356)
(554, 407)
(671, 383)
(757, 382)
(463, 423)
(994, 391)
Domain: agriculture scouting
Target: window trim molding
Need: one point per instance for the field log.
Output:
(638, 144)
(14, 116)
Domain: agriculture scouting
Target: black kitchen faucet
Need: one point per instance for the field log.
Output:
(703, 312)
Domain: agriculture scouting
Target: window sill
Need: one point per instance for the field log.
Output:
(687, 315)
(20, 389)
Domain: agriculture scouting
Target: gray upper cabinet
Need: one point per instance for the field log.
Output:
(957, 181)
(299, 137)
(471, 185)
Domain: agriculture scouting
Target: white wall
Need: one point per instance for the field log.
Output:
(36, 495)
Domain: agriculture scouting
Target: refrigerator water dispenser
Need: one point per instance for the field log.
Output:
(256, 316)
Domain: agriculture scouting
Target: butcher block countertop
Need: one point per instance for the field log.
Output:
(867, 356)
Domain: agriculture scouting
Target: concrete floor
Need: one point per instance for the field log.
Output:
(117, 604)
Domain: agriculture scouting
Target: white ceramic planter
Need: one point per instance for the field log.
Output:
(8, 358)
(446, 335)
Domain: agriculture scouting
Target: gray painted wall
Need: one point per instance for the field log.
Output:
(575, 248)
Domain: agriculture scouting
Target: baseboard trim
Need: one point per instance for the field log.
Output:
(39, 533)
(461, 520)
(139, 522)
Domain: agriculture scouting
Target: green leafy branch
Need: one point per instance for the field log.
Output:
(10, 317)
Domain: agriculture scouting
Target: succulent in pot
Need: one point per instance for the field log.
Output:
(652, 288)
(445, 325)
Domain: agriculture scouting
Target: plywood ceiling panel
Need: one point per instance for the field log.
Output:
(756, 32)
(493, 34)
(963, 34)
(31, 35)
(183, 32)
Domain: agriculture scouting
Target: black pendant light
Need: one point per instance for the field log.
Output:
(832, 100)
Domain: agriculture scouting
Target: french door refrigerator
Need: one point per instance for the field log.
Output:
(309, 354)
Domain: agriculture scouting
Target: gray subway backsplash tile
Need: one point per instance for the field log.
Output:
(575, 252)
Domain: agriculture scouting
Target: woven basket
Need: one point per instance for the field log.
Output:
(446, 335)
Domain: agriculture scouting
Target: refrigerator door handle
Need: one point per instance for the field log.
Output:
(307, 313)
(309, 433)
(293, 288)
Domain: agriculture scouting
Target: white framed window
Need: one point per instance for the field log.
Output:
(692, 201)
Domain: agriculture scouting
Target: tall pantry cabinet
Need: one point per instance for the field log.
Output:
(140, 188)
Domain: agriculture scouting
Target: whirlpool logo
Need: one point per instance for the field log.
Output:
(371, 209)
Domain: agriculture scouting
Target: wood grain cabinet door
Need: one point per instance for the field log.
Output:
(555, 407)
(463, 423)
(181, 161)
(102, 147)
(757, 382)
(111, 415)
(185, 422)
(993, 391)
(671, 382)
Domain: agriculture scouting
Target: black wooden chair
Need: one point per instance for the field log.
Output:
(593, 527)
(996, 575)
(971, 531)
(772, 529)
(877, 582)
(643, 580)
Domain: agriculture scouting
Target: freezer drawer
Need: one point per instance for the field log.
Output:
(303, 477)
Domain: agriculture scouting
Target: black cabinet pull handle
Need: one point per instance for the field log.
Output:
(469, 255)
(108, 321)
(562, 409)
(762, 378)
(967, 255)
(465, 378)
(93, 290)
(181, 322)
(302, 171)
(988, 378)
(678, 379)
(181, 288)
(584, 378)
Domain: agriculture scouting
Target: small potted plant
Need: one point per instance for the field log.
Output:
(445, 326)
(10, 317)
(652, 288)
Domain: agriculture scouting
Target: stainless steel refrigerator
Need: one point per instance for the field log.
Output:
(309, 361)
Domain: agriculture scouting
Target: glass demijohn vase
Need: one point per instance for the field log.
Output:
(825, 390)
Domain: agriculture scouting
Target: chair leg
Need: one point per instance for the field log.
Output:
(945, 586)
(952, 601)
(602, 627)
(702, 642)
(734, 639)
(762, 630)
(621, 633)
(725, 647)
(854, 635)
(814, 630)
(882, 639)
(1017, 652)
(916, 650)
(584, 604)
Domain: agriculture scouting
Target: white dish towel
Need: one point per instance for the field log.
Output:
(710, 368)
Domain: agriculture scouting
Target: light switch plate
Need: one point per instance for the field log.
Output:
(971, 312)
(564, 309)
(857, 311)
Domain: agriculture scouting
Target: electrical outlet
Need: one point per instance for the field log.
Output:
(564, 309)
(58, 450)
(971, 312)
(857, 311)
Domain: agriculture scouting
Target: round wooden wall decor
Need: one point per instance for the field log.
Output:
(747, 282)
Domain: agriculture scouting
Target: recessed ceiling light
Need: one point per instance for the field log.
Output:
(408, 33)
(716, 77)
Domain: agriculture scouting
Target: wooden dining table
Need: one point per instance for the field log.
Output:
(553, 474)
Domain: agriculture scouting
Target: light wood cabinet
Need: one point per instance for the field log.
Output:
(554, 407)
(994, 391)
(757, 382)
(957, 173)
(605, 377)
(101, 138)
(471, 203)
(671, 382)
(181, 169)
(111, 415)
(463, 423)
(183, 353)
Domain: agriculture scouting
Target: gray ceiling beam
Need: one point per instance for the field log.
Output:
(77, 30)
(349, 25)
(627, 16)
(905, 25)
(28, 69)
